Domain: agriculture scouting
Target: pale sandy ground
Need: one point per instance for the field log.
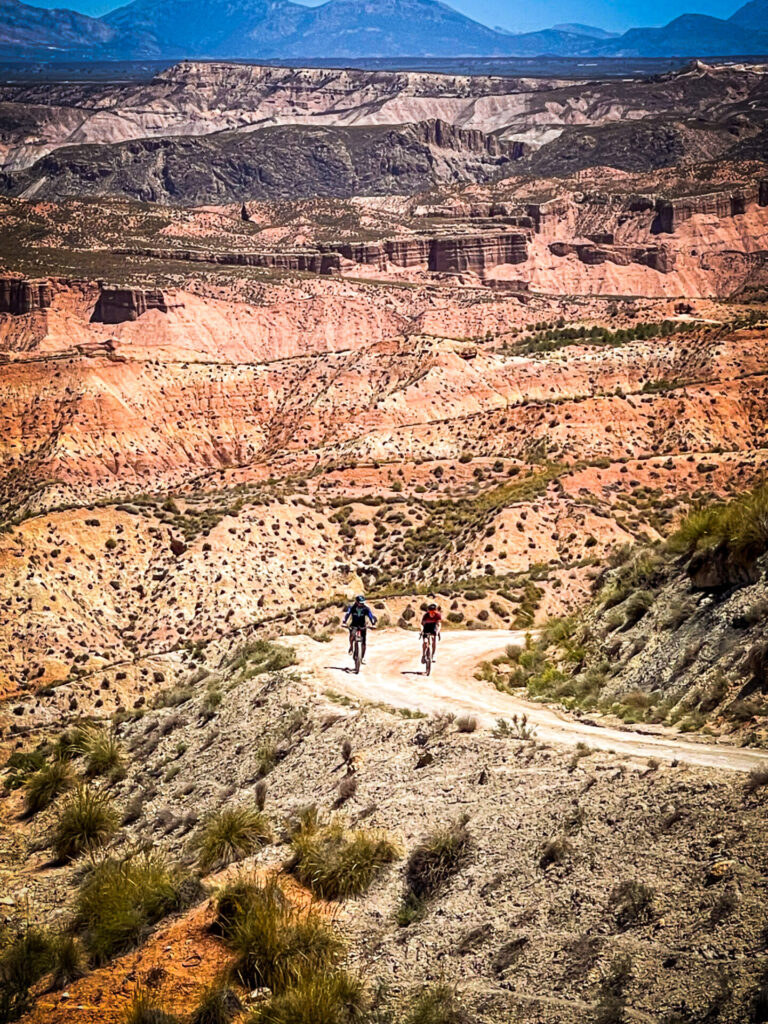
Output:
(393, 675)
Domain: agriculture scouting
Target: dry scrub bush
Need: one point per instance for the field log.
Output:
(275, 944)
(466, 723)
(42, 788)
(334, 862)
(632, 903)
(436, 859)
(120, 900)
(87, 821)
(229, 835)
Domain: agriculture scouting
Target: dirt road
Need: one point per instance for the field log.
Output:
(393, 675)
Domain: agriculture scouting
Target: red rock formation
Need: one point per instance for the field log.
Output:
(18, 295)
(672, 212)
(657, 257)
(477, 253)
(118, 305)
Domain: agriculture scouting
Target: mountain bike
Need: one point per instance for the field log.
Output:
(426, 652)
(357, 647)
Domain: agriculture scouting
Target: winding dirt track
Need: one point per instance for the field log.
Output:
(393, 675)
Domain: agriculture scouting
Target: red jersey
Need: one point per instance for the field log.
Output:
(431, 618)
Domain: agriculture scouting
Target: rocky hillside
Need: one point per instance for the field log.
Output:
(546, 883)
(675, 633)
(225, 167)
(573, 125)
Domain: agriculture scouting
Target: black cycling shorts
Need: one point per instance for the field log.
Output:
(429, 628)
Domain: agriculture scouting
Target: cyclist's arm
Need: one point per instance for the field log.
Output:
(371, 616)
(347, 613)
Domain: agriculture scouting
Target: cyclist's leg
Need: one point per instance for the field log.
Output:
(351, 637)
(363, 639)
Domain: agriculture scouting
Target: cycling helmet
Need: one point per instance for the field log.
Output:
(360, 599)
(433, 607)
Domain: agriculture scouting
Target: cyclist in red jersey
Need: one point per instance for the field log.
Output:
(430, 626)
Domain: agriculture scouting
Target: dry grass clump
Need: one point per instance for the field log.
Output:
(437, 1004)
(466, 723)
(275, 944)
(87, 821)
(146, 1008)
(259, 656)
(120, 900)
(632, 903)
(42, 788)
(740, 526)
(103, 754)
(229, 835)
(219, 1005)
(335, 862)
(436, 859)
(27, 957)
(324, 998)
(555, 851)
(757, 779)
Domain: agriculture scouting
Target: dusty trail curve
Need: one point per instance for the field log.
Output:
(393, 675)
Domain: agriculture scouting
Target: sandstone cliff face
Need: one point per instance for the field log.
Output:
(659, 258)
(19, 295)
(670, 213)
(118, 305)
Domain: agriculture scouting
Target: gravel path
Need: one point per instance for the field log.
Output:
(393, 675)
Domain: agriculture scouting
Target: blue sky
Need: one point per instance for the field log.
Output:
(526, 17)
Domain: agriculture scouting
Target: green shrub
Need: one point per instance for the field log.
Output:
(219, 1005)
(335, 863)
(325, 997)
(261, 656)
(437, 1004)
(147, 1009)
(87, 821)
(438, 857)
(633, 903)
(120, 900)
(42, 788)
(230, 834)
(24, 960)
(103, 753)
(275, 944)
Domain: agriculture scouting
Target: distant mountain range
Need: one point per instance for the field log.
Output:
(270, 29)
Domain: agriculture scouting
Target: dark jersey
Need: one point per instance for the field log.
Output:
(359, 615)
(430, 621)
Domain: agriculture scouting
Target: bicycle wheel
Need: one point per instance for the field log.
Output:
(428, 658)
(357, 655)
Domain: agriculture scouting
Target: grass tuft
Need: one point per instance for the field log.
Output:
(42, 788)
(218, 1005)
(437, 858)
(437, 1004)
(633, 904)
(147, 1009)
(87, 821)
(120, 900)
(275, 944)
(326, 997)
(229, 835)
(103, 754)
(334, 862)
